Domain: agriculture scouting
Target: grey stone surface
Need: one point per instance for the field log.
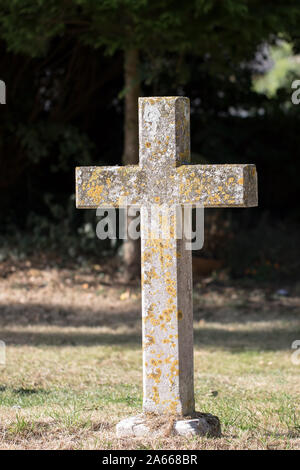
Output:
(167, 309)
(210, 185)
(135, 426)
(204, 424)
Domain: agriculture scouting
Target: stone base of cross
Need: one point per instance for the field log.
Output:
(163, 177)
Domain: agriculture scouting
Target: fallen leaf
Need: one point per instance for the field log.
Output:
(125, 295)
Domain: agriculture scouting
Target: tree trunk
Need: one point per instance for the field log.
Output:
(131, 149)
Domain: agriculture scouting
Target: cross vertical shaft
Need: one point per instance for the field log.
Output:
(168, 381)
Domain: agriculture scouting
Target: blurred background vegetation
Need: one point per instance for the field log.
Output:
(73, 70)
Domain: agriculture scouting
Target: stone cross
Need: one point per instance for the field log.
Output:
(163, 177)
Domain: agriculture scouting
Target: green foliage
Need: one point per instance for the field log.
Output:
(286, 67)
(45, 139)
(152, 26)
(27, 25)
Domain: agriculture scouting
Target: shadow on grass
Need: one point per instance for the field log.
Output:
(57, 315)
(69, 321)
(274, 339)
(130, 316)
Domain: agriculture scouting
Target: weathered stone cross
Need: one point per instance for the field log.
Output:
(163, 177)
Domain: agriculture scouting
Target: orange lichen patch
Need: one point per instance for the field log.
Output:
(146, 256)
(148, 144)
(172, 228)
(155, 375)
(155, 396)
(214, 199)
(168, 359)
(155, 362)
(167, 313)
(241, 180)
(172, 408)
(171, 286)
(158, 245)
(95, 192)
(230, 180)
(150, 315)
(150, 275)
(171, 291)
(174, 371)
(150, 340)
(179, 315)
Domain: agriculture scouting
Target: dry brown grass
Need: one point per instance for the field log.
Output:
(74, 362)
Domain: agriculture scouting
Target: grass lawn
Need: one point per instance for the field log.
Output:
(74, 362)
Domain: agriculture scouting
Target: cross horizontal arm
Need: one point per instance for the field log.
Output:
(217, 185)
(113, 186)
